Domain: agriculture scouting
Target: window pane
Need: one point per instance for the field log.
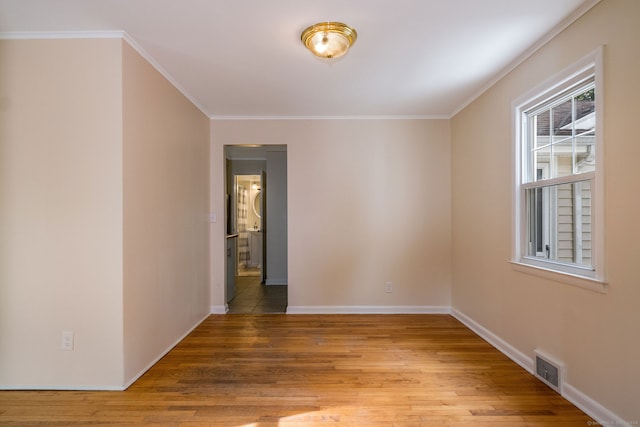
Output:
(562, 159)
(562, 132)
(561, 138)
(539, 147)
(585, 130)
(541, 133)
(541, 159)
(585, 152)
(559, 223)
(562, 120)
(585, 110)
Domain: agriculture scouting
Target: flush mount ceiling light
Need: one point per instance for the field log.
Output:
(329, 40)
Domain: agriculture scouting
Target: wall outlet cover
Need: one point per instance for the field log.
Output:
(67, 340)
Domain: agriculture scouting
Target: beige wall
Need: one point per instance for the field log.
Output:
(166, 201)
(60, 212)
(596, 336)
(103, 221)
(368, 202)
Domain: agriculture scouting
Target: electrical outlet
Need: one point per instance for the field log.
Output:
(67, 340)
(388, 287)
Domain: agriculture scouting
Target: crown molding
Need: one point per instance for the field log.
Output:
(347, 117)
(33, 35)
(586, 6)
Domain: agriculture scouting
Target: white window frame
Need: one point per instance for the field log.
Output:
(594, 278)
(546, 220)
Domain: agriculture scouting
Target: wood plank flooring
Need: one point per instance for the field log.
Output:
(308, 370)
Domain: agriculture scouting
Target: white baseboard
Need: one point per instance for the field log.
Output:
(592, 408)
(219, 309)
(163, 353)
(345, 309)
(36, 387)
(511, 352)
(586, 404)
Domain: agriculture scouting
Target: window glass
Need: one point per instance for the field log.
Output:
(559, 218)
(562, 135)
(558, 150)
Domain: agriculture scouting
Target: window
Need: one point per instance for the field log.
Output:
(558, 214)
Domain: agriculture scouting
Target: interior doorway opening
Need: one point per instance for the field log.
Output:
(256, 215)
(248, 211)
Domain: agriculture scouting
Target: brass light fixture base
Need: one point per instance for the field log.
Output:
(329, 40)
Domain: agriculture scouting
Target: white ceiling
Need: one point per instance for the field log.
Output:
(244, 58)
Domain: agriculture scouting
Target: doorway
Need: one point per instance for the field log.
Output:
(248, 212)
(257, 273)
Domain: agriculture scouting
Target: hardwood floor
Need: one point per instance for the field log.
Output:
(307, 370)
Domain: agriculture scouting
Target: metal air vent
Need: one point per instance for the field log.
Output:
(549, 371)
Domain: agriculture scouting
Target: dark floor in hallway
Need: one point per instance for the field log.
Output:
(253, 297)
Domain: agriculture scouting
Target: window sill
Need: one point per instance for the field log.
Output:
(583, 282)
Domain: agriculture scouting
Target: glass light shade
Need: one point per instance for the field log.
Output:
(329, 40)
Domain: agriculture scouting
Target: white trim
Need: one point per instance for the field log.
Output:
(584, 8)
(592, 408)
(164, 353)
(21, 387)
(35, 35)
(219, 309)
(573, 74)
(598, 195)
(357, 309)
(583, 282)
(353, 117)
(526, 362)
(566, 179)
(586, 404)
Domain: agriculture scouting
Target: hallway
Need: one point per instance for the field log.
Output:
(253, 297)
